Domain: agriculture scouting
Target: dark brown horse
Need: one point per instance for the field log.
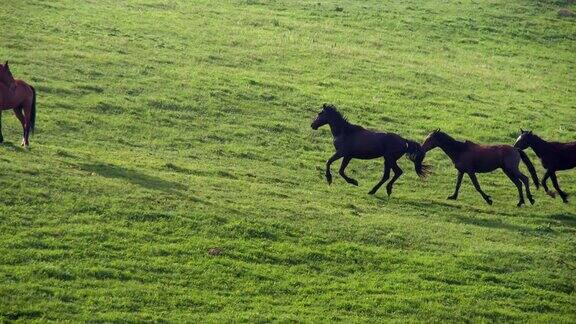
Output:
(20, 96)
(553, 155)
(355, 142)
(472, 158)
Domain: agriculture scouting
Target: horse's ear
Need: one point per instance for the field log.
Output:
(529, 132)
(521, 130)
(6, 67)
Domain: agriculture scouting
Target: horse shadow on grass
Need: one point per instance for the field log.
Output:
(135, 177)
(562, 220)
(14, 147)
(492, 222)
(425, 206)
(566, 219)
(495, 223)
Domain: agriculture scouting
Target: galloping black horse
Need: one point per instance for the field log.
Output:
(471, 158)
(355, 142)
(555, 156)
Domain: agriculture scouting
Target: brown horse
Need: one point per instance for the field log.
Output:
(472, 158)
(20, 96)
(553, 155)
(355, 142)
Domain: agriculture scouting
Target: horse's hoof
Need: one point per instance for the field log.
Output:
(451, 197)
(372, 192)
(353, 182)
(488, 200)
(532, 201)
(551, 193)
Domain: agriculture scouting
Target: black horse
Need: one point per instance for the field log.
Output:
(355, 142)
(471, 158)
(555, 156)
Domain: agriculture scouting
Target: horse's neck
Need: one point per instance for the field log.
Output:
(453, 154)
(338, 127)
(539, 146)
(4, 94)
(8, 80)
(451, 149)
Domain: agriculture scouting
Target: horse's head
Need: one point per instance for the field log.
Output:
(431, 141)
(325, 116)
(523, 141)
(5, 74)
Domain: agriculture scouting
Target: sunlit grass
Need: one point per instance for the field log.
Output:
(167, 128)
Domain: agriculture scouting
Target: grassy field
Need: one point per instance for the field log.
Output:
(167, 128)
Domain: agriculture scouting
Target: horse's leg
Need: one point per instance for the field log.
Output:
(343, 166)
(477, 186)
(514, 178)
(18, 113)
(458, 183)
(545, 186)
(526, 183)
(562, 194)
(333, 158)
(385, 177)
(27, 118)
(397, 173)
(1, 137)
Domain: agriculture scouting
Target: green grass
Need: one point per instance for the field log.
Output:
(166, 128)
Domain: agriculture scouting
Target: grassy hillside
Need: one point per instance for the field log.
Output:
(167, 128)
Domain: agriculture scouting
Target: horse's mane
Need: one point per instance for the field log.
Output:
(552, 146)
(450, 142)
(347, 127)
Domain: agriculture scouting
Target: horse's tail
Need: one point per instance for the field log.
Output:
(530, 167)
(416, 154)
(33, 110)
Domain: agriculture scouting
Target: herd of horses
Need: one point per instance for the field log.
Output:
(355, 142)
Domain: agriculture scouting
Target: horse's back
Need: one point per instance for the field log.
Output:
(565, 155)
(20, 93)
(486, 158)
(567, 147)
(495, 149)
(367, 144)
(393, 141)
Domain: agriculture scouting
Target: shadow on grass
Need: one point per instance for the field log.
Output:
(566, 219)
(425, 205)
(491, 223)
(132, 176)
(13, 147)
